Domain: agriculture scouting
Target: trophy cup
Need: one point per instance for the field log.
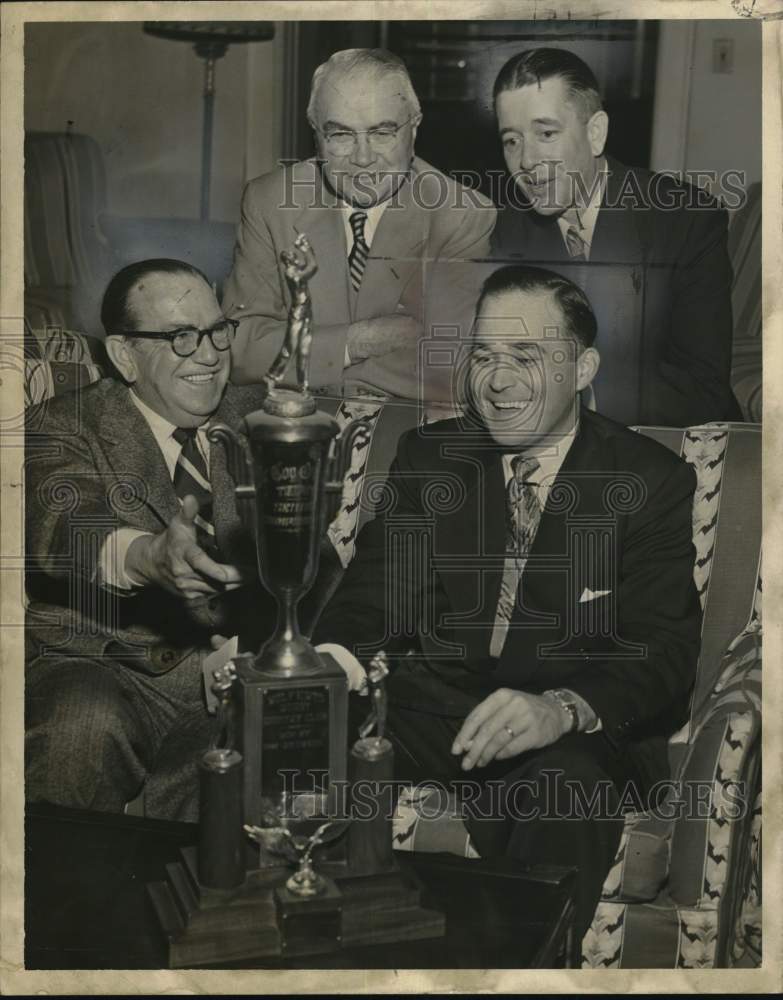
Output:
(288, 468)
(277, 770)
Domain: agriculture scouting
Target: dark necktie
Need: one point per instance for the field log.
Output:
(523, 513)
(577, 248)
(357, 258)
(191, 477)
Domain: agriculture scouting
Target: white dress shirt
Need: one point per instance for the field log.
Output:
(111, 562)
(373, 214)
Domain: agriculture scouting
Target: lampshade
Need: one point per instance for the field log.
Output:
(212, 32)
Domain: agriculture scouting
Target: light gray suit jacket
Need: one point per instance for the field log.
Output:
(431, 220)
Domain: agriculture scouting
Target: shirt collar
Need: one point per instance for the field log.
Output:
(373, 214)
(585, 218)
(161, 428)
(550, 459)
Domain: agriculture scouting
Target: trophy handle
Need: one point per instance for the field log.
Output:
(355, 433)
(239, 465)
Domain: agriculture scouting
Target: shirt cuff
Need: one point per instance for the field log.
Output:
(111, 561)
(584, 712)
(354, 671)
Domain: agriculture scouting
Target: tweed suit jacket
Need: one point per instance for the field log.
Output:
(430, 220)
(659, 280)
(92, 466)
(608, 605)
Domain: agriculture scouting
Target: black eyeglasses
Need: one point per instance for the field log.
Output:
(187, 341)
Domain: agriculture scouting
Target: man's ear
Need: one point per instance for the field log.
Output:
(415, 126)
(597, 130)
(587, 365)
(121, 356)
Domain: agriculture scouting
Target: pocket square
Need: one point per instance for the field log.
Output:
(590, 595)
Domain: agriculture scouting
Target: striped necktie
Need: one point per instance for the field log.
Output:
(577, 248)
(523, 513)
(191, 477)
(357, 258)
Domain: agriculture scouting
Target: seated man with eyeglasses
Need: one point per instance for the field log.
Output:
(384, 226)
(135, 552)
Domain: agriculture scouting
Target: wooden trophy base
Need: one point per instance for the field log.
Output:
(261, 919)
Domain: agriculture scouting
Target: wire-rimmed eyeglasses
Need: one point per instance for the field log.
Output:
(342, 141)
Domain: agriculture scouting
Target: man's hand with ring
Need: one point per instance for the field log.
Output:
(508, 723)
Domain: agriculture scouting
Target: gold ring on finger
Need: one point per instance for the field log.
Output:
(510, 731)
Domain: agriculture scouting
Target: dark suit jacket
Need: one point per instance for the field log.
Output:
(659, 281)
(93, 465)
(431, 218)
(427, 577)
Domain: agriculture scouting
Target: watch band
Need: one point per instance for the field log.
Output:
(567, 704)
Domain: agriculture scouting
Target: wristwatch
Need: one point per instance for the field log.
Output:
(567, 703)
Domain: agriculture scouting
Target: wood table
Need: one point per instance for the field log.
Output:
(86, 905)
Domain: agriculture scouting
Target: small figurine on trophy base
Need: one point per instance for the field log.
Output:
(371, 774)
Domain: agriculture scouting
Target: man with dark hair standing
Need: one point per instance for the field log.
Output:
(379, 219)
(549, 649)
(134, 550)
(650, 253)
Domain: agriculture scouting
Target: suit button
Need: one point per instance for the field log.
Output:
(167, 656)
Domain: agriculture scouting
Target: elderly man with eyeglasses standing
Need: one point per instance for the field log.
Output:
(379, 219)
(135, 552)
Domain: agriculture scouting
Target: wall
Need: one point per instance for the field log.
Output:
(706, 120)
(140, 97)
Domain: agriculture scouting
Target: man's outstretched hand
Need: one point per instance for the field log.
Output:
(176, 562)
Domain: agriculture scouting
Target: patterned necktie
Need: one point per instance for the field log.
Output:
(577, 248)
(357, 258)
(191, 477)
(342, 530)
(523, 512)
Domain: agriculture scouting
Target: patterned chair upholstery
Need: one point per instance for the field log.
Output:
(57, 361)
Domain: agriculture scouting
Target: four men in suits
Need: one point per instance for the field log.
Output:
(378, 219)
(565, 645)
(520, 652)
(650, 253)
(134, 552)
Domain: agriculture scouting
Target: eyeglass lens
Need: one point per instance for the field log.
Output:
(188, 341)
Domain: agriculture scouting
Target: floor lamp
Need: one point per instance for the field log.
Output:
(211, 40)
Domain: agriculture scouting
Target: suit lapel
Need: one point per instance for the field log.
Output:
(229, 534)
(322, 222)
(394, 254)
(472, 538)
(616, 237)
(131, 449)
(555, 575)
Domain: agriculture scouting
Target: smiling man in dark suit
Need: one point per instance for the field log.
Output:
(134, 551)
(549, 644)
(379, 219)
(650, 253)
